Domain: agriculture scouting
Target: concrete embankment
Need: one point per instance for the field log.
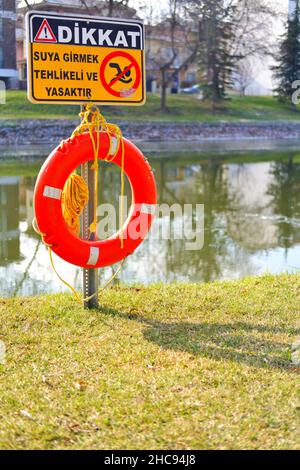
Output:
(27, 131)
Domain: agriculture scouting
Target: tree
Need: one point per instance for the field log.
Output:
(178, 34)
(254, 32)
(216, 58)
(117, 8)
(243, 75)
(114, 5)
(287, 69)
(230, 30)
(284, 190)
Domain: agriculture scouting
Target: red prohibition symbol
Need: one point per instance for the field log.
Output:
(132, 64)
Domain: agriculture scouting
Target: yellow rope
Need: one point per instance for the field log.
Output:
(76, 294)
(93, 121)
(75, 196)
(75, 193)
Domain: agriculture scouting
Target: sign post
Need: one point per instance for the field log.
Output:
(77, 59)
(90, 275)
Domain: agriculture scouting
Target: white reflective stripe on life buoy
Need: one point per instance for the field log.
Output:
(53, 193)
(113, 146)
(148, 208)
(94, 255)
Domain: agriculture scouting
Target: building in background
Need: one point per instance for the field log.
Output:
(156, 39)
(8, 66)
(93, 7)
(159, 49)
(83, 7)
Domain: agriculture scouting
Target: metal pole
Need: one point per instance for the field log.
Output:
(90, 276)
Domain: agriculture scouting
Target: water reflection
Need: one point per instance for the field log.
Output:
(252, 225)
(9, 220)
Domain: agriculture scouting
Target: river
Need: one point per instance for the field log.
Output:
(251, 220)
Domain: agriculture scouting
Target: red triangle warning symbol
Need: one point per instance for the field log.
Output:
(45, 33)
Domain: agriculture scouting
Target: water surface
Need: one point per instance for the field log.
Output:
(252, 222)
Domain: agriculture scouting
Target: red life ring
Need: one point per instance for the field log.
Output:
(48, 210)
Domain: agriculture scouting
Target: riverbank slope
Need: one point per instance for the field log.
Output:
(178, 366)
(187, 120)
(36, 132)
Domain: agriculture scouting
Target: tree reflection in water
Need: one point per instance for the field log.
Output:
(284, 190)
(252, 211)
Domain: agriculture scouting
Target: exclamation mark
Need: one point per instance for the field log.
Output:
(46, 32)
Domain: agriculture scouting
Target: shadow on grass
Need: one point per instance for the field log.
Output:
(239, 342)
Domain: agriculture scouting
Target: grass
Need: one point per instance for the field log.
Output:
(11, 168)
(181, 108)
(178, 366)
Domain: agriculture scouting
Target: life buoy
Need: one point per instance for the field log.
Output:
(48, 209)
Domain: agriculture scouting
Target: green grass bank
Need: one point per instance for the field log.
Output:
(178, 366)
(181, 108)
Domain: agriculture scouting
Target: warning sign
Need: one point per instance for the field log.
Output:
(120, 74)
(45, 33)
(79, 59)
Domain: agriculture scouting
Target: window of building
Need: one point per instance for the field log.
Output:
(168, 54)
(24, 72)
(191, 77)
